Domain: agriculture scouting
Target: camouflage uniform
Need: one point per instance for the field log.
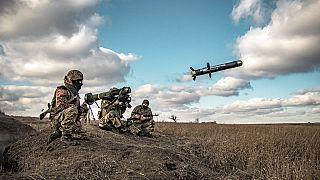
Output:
(111, 114)
(85, 113)
(66, 109)
(142, 119)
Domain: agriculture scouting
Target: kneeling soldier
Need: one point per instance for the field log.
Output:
(143, 123)
(66, 109)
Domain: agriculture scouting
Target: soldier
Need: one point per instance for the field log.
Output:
(66, 110)
(143, 122)
(111, 113)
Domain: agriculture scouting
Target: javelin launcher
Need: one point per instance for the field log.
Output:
(210, 69)
(122, 95)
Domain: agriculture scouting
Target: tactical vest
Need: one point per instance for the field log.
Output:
(54, 108)
(141, 111)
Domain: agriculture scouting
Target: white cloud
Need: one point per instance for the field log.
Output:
(251, 105)
(250, 9)
(98, 68)
(288, 44)
(267, 106)
(315, 110)
(304, 99)
(13, 93)
(24, 100)
(41, 18)
(181, 96)
(175, 96)
(41, 49)
(42, 40)
(146, 90)
(180, 100)
(227, 86)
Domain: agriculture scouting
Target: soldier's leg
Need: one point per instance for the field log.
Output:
(114, 117)
(135, 128)
(68, 123)
(146, 128)
(149, 125)
(84, 118)
(55, 125)
(104, 122)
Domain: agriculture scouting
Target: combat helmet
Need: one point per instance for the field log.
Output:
(74, 75)
(145, 102)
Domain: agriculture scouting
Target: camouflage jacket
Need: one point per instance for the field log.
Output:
(140, 114)
(108, 105)
(63, 98)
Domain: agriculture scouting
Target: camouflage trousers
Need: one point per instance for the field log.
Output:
(84, 117)
(66, 121)
(135, 128)
(113, 117)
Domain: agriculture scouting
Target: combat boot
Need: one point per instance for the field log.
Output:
(144, 133)
(53, 136)
(122, 129)
(105, 127)
(68, 140)
(79, 134)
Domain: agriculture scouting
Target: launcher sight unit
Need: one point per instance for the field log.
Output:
(122, 95)
(210, 69)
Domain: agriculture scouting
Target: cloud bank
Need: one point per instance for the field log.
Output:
(42, 40)
(179, 100)
(288, 44)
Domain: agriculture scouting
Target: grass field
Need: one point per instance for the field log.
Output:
(255, 151)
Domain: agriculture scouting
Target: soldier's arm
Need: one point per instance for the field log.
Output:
(135, 114)
(62, 99)
(84, 109)
(147, 116)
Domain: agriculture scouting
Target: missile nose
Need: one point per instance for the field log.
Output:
(239, 62)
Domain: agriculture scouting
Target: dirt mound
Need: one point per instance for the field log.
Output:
(107, 155)
(10, 130)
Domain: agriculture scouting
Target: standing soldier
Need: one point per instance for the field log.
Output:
(143, 122)
(66, 110)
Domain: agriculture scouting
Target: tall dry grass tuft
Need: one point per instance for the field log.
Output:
(255, 151)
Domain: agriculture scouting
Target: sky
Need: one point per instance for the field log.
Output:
(151, 45)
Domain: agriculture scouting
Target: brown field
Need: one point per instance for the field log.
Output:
(177, 151)
(258, 151)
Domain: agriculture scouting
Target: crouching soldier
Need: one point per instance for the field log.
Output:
(112, 109)
(142, 119)
(66, 109)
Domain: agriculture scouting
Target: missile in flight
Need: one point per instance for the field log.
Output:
(210, 69)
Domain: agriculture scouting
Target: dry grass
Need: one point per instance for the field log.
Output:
(256, 151)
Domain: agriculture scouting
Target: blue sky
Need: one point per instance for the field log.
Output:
(150, 45)
(183, 34)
